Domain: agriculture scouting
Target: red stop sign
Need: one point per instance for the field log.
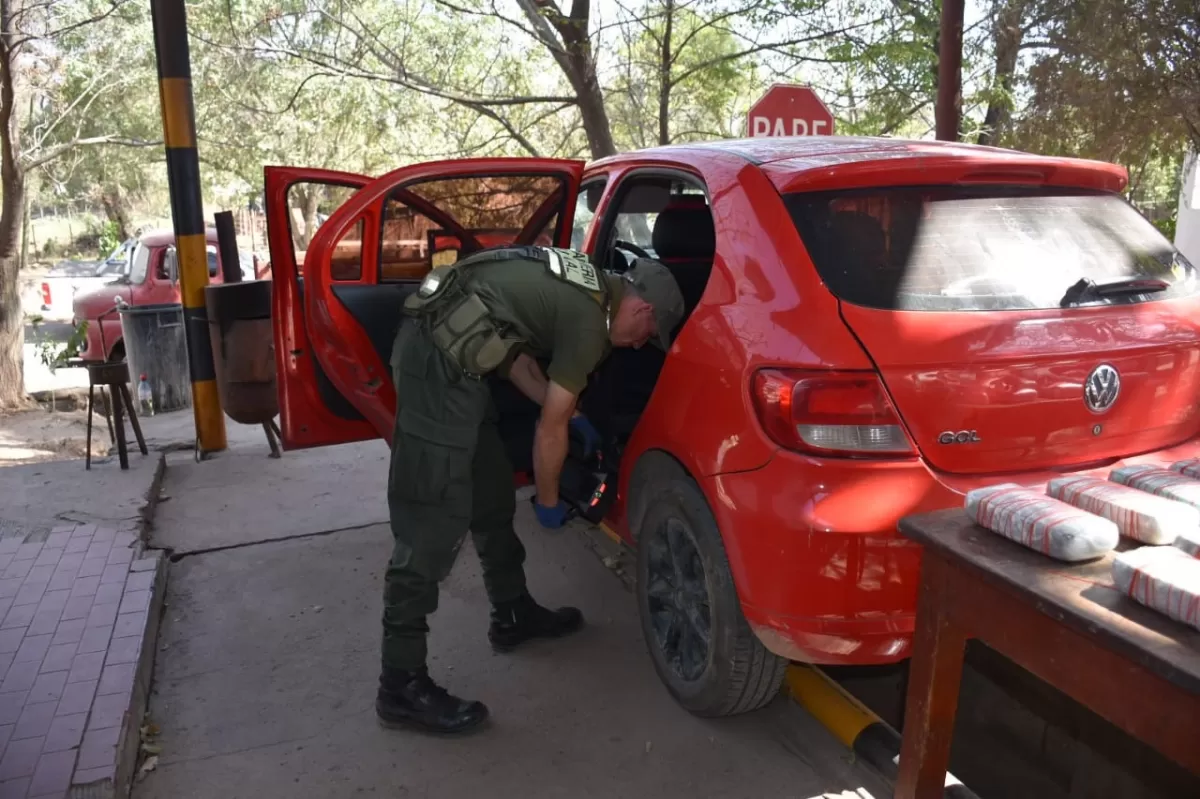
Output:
(789, 111)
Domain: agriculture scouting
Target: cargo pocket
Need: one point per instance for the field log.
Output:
(431, 462)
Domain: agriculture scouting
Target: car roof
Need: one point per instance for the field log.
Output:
(787, 156)
(768, 150)
(163, 237)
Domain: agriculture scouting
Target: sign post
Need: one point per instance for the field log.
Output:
(789, 111)
(948, 111)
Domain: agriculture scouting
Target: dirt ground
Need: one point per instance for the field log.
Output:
(40, 434)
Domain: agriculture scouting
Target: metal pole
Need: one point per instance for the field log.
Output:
(231, 269)
(949, 88)
(169, 19)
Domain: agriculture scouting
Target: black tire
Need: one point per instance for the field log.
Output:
(729, 673)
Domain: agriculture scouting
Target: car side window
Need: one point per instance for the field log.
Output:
(435, 222)
(309, 205)
(637, 228)
(409, 245)
(139, 266)
(585, 210)
(667, 219)
(168, 265)
(634, 215)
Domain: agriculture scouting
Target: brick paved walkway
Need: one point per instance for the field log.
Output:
(77, 602)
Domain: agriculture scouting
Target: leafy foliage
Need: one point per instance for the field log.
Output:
(366, 86)
(369, 85)
(1114, 79)
(55, 355)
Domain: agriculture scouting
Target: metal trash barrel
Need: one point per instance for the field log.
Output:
(156, 346)
(243, 346)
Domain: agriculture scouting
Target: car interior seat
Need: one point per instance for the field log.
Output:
(856, 249)
(684, 240)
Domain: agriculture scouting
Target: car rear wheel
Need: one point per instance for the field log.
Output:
(699, 641)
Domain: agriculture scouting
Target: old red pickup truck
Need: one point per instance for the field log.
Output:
(152, 278)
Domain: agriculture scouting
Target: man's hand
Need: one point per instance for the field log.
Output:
(585, 430)
(551, 518)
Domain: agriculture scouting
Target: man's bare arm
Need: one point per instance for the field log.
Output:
(550, 442)
(527, 376)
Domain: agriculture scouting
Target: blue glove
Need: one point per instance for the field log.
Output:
(551, 518)
(589, 434)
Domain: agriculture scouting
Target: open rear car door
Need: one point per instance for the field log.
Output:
(339, 307)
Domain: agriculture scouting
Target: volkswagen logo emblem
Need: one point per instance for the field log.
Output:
(1101, 388)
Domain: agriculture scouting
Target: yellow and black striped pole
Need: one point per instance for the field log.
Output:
(187, 212)
(855, 726)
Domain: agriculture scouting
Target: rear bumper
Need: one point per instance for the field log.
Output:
(821, 572)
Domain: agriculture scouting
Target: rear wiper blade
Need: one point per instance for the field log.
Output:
(1087, 289)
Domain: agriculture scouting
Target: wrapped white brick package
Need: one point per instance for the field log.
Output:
(1189, 543)
(1188, 468)
(1043, 523)
(1163, 482)
(1138, 515)
(1163, 578)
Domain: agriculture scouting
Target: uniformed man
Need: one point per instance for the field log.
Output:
(492, 312)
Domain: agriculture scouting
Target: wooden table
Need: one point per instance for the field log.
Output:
(1066, 623)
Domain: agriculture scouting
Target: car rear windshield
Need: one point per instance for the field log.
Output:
(963, 249)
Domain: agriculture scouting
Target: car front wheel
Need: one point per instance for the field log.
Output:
(699, 641)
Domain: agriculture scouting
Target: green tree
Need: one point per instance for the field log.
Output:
(37, 127)
(1114, 80)
(536, 77)
(680, 76)
(118, 54)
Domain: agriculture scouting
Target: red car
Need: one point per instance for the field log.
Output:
(875, 326)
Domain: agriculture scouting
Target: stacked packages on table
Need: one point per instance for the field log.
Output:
(1082, 518)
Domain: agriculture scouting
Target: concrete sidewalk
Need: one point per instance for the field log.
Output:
(268, 660)
(78, 614)
(79, 611)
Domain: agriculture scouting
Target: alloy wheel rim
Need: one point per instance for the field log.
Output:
(677, 595)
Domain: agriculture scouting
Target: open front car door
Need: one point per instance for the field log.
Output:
(374, 250)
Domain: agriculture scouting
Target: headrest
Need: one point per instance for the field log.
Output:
(859, 237)
(684, 231)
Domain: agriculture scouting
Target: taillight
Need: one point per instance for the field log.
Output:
(46, 294)
(833, 414)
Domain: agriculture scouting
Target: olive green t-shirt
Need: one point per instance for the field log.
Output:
(559, 322)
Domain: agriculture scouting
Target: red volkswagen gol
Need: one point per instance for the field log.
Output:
(875, 326)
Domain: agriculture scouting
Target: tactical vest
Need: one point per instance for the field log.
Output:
(460, 323)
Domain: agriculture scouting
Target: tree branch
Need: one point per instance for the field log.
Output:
(87, 94)
(758, 48)
(495, 13)
(341, 68)
(57, 150)
(114, 6)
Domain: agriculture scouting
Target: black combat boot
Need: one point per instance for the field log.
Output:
(517, 621)
(413, 699)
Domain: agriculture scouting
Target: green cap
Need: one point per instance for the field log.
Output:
(655, 284)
